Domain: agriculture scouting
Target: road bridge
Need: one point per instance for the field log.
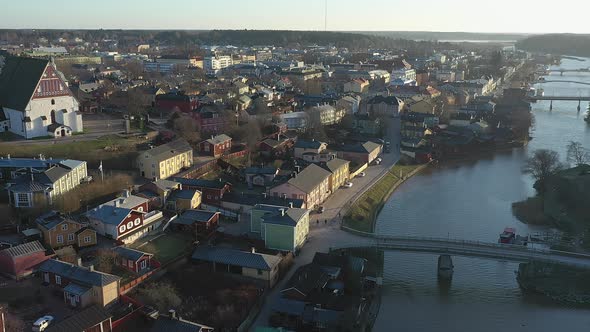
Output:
(458, 247)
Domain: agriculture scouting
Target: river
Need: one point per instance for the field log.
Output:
(472, 200)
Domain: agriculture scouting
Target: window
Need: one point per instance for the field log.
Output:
(87, 239)
(259, 272)
(52, 101)
(130, 263)
(122, 229)
(130, 225)
(137, 222)
(60, 239)
(71, 237)
(64, 227)
(23, 199)
(143, 264)
(140, 209)
(58, 280)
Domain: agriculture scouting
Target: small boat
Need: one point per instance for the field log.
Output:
(445, 267)
(508, 236)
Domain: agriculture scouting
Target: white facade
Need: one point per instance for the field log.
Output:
(213, 64)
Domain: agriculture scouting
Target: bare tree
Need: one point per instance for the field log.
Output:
(542, 164)
(105, 260)
(577, 154)
(186, 127)
(161, 295)
(134, 69)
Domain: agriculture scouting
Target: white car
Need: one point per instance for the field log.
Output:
(42, 323)
(347, 185)
(362, 174)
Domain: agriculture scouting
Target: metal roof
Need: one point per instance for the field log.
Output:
(219, 139)
(24, 249)
(18, 81)
(81, 320)
(335, 164)
(169, 150)
(200, 183)
(182, 194)
(236, 257)
(77, 273)
(109, 214)
(27, 162)
(76, 289)
(191, 216)
(129, 253)
(308, 144)
(291, 217)
(51, 219)
(308, 179)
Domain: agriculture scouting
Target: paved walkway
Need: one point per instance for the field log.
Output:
(323, 236)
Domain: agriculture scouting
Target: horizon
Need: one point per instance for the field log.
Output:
(453, 16)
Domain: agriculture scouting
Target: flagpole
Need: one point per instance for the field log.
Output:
(101, 172)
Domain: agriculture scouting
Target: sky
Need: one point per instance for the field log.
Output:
(505, 16)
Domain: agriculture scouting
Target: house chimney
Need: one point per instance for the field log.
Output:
(91, 268)
(282, 212)
(116, 203)
(264, 195)
(8, 156)
(172, 313)
(291, 205)
(79, 261)
(253, 250)
(126, 193)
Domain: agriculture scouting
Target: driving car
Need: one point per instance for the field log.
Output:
(362, 174)
(347, 185)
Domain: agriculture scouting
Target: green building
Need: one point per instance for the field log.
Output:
(281, 228)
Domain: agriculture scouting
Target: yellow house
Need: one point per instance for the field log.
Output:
(165, 160)
(182, 200)
(59, 231)
(340, 172)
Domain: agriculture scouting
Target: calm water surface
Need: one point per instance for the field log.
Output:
(472, 200)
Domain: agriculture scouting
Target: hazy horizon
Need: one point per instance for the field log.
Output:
(451, 16)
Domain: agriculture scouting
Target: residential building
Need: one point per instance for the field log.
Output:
(36, 99)
(421, 105)
(37, 189)
(260, 176)
(364, 124)
(340, 172)
(59, 231)
(310, 185)
(22, 260)
(182, 200)
(360, 153)
(176, 102)
(325, 115)
(296, 120)
(199, 222)
(133, 260)
(248, 264)
(214, 64)
(281, 228)
(125, 218)
(82, 286)
(212, 191)
(91, 319)
(165, 160)
(358, 85)
(158, 192)
(303, 146)
(215, 146)
(382, 106)
(350, 104)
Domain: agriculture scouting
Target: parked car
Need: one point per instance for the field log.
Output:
(347, 185)
(86, 179)
(362, 174)
(42, 323)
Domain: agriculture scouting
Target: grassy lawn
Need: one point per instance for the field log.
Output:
(113, 150)
(167, 247)
(362, 214)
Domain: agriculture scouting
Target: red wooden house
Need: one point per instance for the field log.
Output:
(213, 191)
(175, 102)
(203, 222)
(215, 146)
(133, 260)
(21, 261)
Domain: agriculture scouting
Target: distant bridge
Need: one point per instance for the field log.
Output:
(563, 70)
(555, 81)
(559, 98)
(441, 246)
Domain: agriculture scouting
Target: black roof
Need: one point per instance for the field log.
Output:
(18, 81)
(307, 279)
(81, 321)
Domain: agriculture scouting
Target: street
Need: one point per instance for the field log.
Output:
(322, 236)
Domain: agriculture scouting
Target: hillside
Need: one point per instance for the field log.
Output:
(562, 44)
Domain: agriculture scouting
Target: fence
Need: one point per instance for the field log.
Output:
(130, 316)
(154, 265)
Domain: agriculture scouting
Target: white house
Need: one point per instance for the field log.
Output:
(36, 100)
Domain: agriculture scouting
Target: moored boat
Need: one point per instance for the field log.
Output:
(445, 267)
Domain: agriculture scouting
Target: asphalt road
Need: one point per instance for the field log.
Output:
(323, 236)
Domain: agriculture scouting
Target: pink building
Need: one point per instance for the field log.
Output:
(22, 260)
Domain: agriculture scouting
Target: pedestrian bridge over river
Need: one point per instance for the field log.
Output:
(439, 246)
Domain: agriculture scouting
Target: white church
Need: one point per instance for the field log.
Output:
(35, 101)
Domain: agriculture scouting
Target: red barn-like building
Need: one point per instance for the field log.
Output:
(174, 102)
(22, 260)
(215, 146)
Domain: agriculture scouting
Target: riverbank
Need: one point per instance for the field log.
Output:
(362, 214)
(557, 282)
